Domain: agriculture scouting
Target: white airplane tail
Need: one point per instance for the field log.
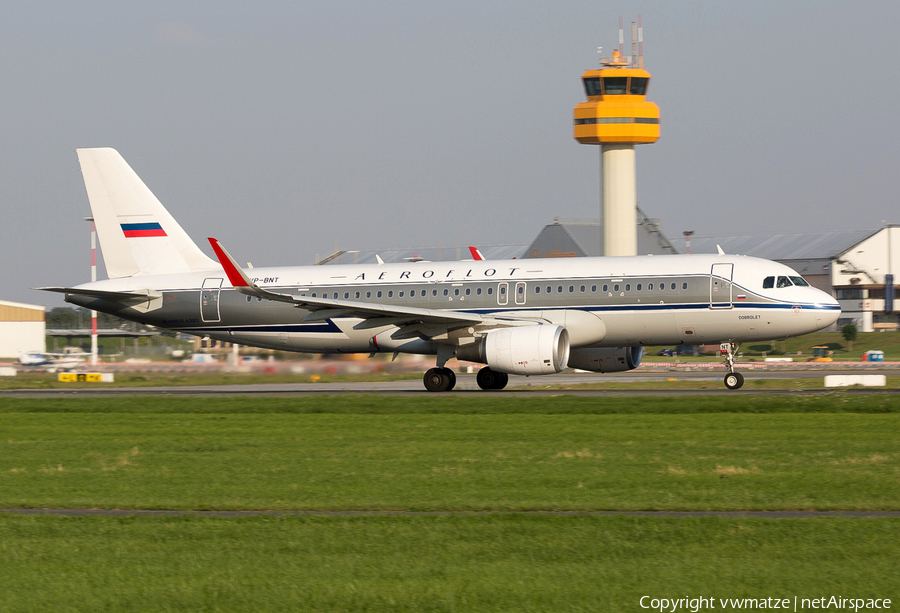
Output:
(137, 234)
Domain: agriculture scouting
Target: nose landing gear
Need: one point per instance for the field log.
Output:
(733, 380)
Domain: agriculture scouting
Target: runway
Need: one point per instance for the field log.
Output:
(551, 385)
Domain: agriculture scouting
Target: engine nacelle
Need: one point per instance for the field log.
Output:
(522, 350)
(606, 359)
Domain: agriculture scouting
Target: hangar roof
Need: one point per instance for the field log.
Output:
(781, 247)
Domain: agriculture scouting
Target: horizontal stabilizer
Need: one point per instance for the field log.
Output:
(136, 296)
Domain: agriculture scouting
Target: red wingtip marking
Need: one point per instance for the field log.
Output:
(476, 255)
(233, 273)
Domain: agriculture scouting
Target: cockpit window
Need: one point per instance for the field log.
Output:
(768, 282)
(800, 281)
(784, 282)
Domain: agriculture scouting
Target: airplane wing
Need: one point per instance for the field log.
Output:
(375, 314)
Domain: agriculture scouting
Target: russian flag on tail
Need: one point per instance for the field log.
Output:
(140, 230)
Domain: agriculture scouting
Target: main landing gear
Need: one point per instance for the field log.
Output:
(491, 379)
(444, 379)
(440, 380)
(733, 380)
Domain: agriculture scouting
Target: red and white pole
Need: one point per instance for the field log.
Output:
(94, 351)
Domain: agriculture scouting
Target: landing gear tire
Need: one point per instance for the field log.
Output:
(734, 380)
(452, 376)
(488, 379)
(437, 380)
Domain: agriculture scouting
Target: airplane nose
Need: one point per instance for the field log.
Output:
(826, 317)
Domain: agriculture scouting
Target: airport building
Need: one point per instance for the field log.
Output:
(22, 328)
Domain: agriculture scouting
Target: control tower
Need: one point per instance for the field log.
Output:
(617, 117)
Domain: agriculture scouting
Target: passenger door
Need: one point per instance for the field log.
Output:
(209, 300)
(720, 286)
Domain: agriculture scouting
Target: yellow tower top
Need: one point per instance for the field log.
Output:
(616, 110)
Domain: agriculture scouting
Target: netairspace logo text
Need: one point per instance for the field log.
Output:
(694, 605)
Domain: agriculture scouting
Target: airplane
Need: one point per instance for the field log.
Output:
(523, 317)
(52, 362)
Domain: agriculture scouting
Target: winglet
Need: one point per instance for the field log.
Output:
(236, 275)
(719, 249)
(476, 254)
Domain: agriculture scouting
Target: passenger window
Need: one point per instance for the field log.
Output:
(478, 291)
(537, 289)
(768, 282)
(313, 294)
(639, 287)
(368, 294)
(468, 291)
(673, 286)
(456, 292)
(593, 288)
(434, 292)
(616, 287)
(684, 286)
(582, 289)
(379, 293)
(649, 287)
(559, 289)
(490, 291)
(346, 295)
(605, 288)
(628, 287)
(391, 294)
(357, 294)
(662, 287)
(400, 293)
(571, 288)
(799, 281)
(335, 295)
(446, 292)
(520, 290)
(784, 282)
(549, 290)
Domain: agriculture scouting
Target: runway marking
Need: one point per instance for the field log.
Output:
(288, 513)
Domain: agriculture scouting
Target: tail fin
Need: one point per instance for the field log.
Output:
(137, 234)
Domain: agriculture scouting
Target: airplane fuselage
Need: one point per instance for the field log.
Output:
(602, 302)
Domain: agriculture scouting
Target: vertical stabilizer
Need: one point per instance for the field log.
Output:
(137, 234)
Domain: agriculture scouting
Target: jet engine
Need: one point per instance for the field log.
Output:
(606, 359)
(524, 350)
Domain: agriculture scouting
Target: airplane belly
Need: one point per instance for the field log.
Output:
(658, 328)
(621, 328)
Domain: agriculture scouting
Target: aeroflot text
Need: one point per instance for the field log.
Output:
(673, 605)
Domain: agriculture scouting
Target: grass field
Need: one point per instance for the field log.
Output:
(495, 563)
(835, 451)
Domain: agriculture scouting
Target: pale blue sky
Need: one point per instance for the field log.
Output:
(280, 127)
